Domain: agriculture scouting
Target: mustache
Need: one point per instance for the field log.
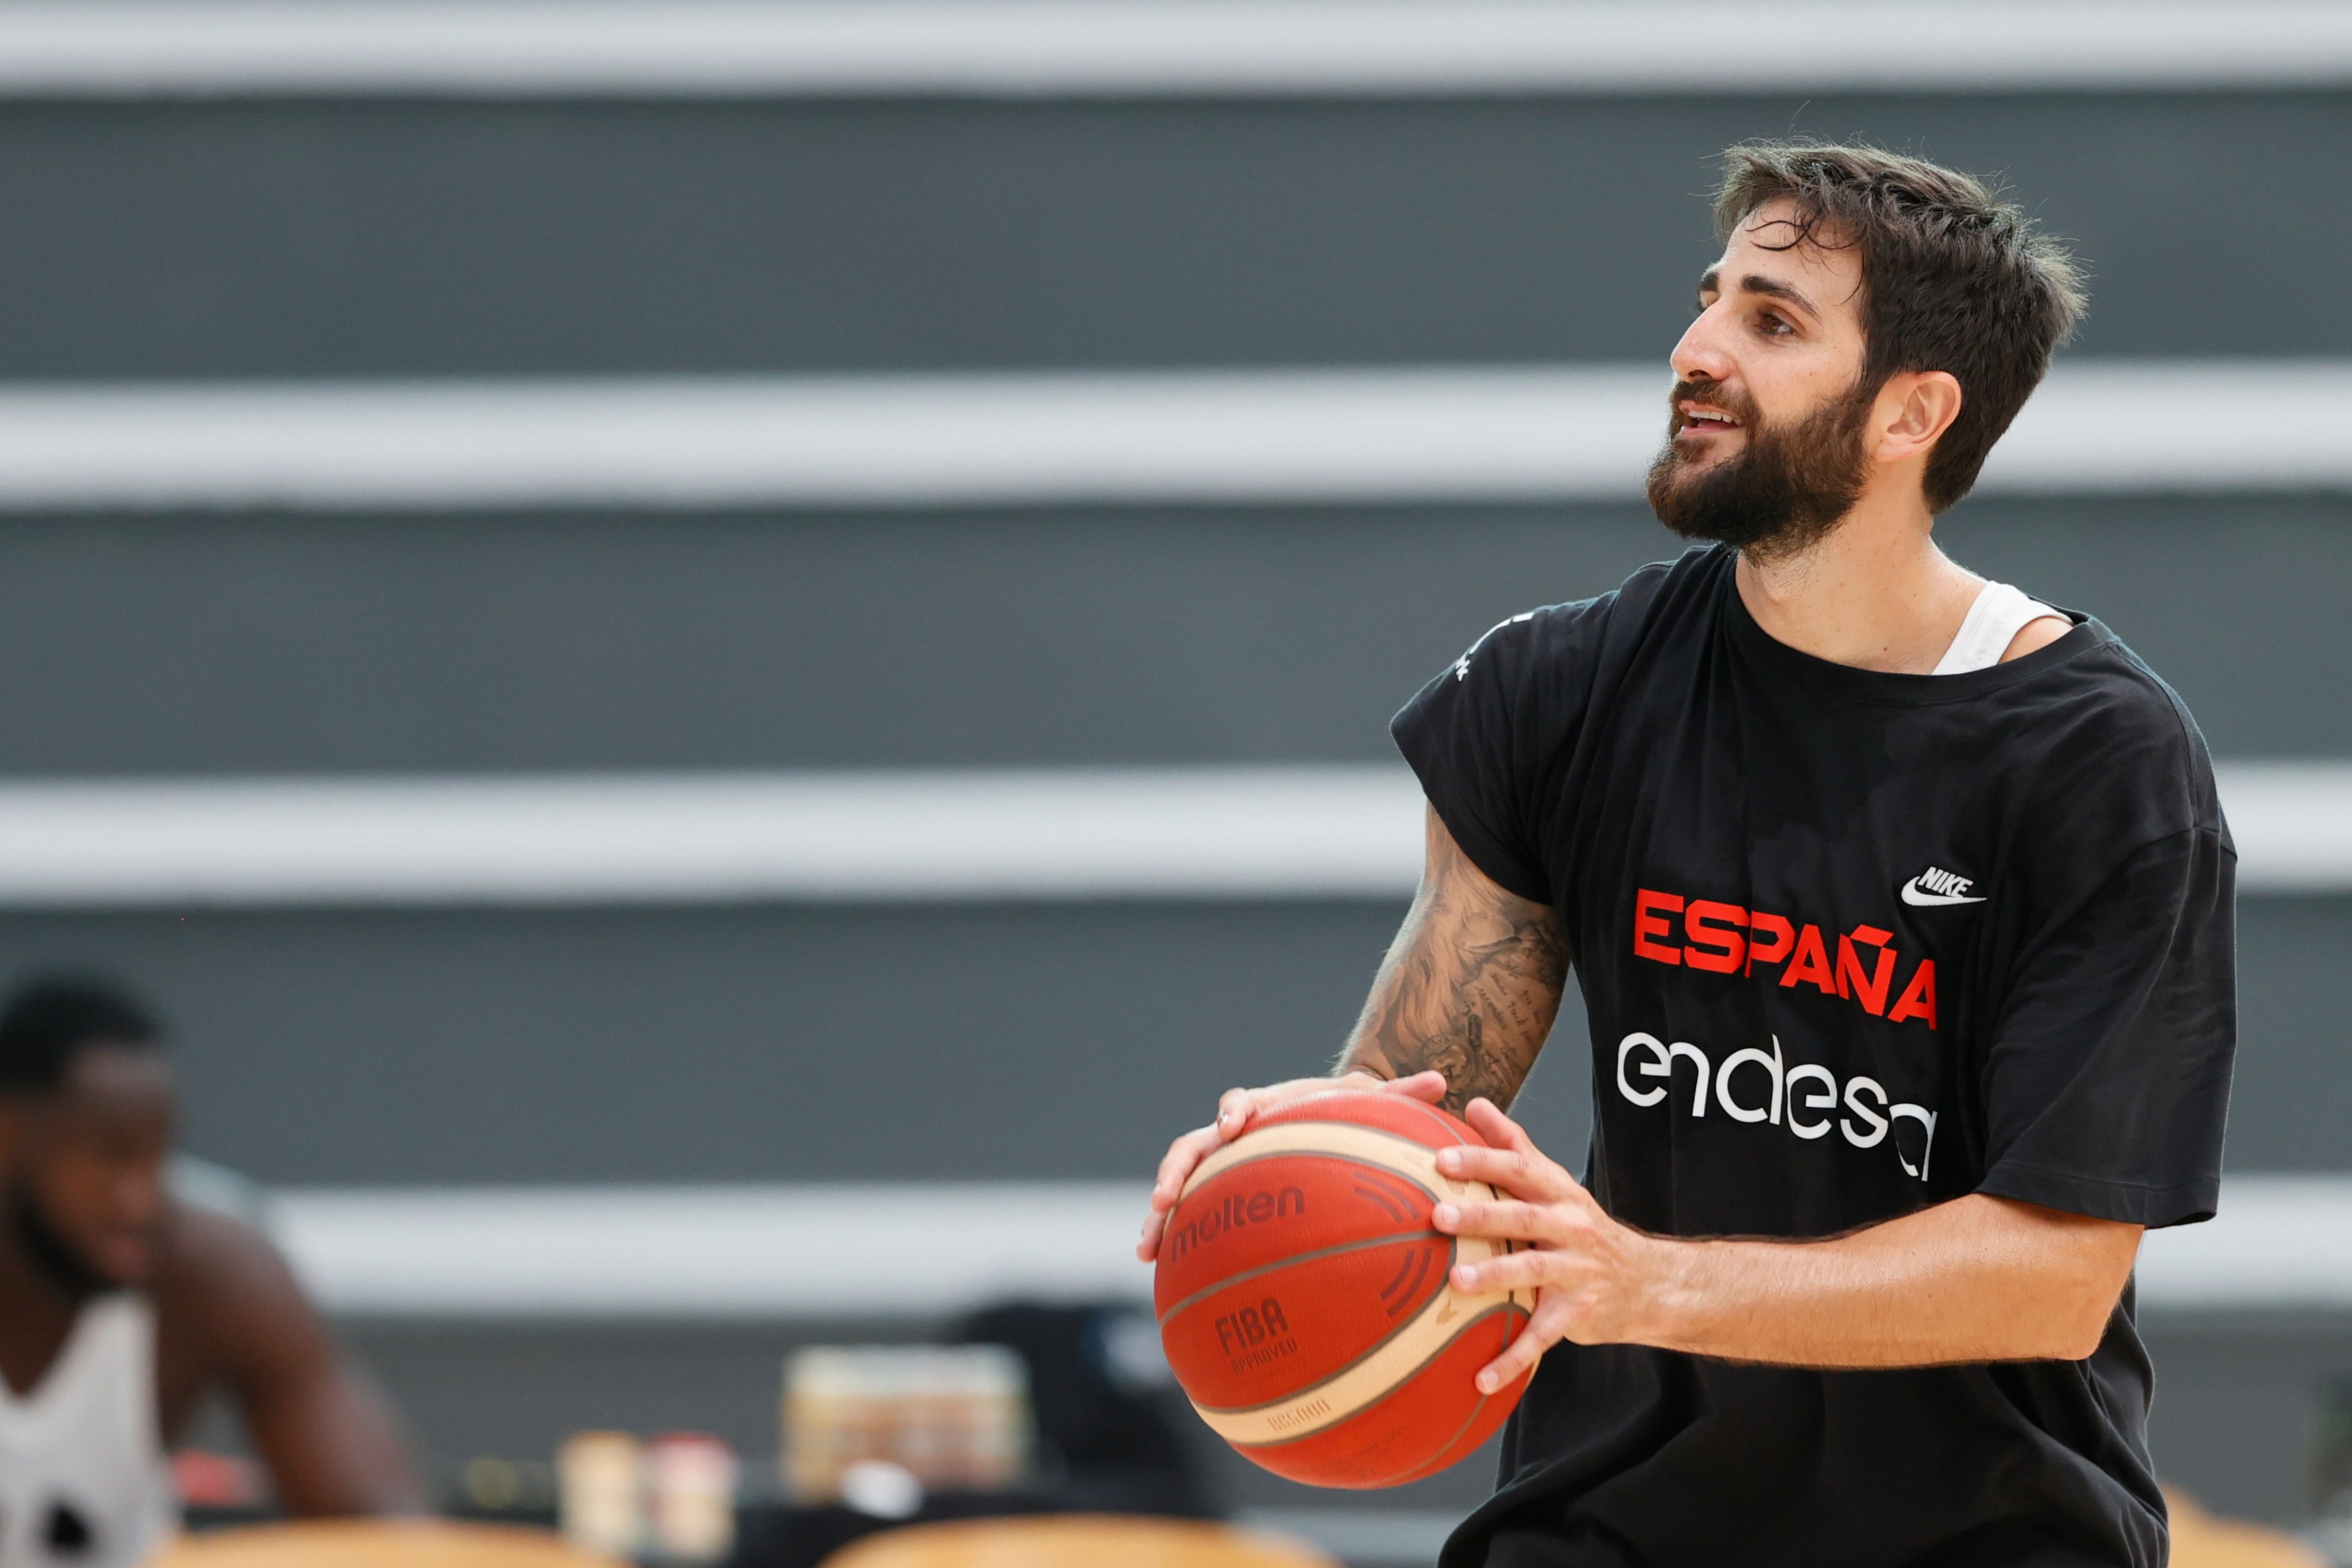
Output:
(1708, 394)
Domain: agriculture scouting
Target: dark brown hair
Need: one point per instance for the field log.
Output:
(1953, 278)
(52, 1016)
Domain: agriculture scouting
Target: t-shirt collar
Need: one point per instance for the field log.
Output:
(1881, 686)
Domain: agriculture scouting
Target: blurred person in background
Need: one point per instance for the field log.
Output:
(122, 1307)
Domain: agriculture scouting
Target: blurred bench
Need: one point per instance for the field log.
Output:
(377, 1543)
(1075, 1543)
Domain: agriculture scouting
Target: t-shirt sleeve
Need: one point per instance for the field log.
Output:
(2108, 1078)
(1482, 735)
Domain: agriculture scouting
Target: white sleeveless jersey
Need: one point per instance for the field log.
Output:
(1999, 613)
(84, 1482)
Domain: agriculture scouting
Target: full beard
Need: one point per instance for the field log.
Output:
(49, 1253)
(1785, 491)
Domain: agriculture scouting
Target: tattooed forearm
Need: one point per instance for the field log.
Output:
(1470, 987)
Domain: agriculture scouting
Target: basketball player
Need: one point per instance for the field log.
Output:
(120, 1310)
(1902, 909)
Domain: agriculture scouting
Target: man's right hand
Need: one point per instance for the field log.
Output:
(1235, 1107)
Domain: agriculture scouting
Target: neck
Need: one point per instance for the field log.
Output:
(37, 1264)
(27, 1287)
(1873, 592)
(37, 1314)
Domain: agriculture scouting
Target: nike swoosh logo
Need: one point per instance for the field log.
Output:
(1912, 894)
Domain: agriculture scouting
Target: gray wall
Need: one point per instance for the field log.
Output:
(873, 1043)
(325, 1048)
(728, 1042)
(306, 238)
(303, 643)
(852, 1044)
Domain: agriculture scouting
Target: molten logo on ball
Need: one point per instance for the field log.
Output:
(1231, 1215)
(1318, 1335)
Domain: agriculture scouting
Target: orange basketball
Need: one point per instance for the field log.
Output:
(1303, 1299)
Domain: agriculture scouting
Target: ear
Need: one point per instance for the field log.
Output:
(1915, 409)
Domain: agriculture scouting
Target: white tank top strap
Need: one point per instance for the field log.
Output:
(84, 1482)
(1999, 613)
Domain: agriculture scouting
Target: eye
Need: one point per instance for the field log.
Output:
(1773, 325)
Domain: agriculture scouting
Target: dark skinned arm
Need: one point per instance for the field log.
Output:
(233, 1317)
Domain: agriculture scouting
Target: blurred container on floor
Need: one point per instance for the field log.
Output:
(690, 1482)
(956, 1417)
(499, 1489)
(206, 1479)
(492, 1490)
(598, 1485)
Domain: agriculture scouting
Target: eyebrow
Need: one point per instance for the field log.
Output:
(1758, 283)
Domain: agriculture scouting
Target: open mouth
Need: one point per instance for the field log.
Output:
(1698, 418)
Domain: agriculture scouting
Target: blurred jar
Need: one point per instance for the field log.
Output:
(599, 1477)
(692, 1479)
(955, 1418)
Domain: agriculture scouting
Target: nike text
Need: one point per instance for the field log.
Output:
(1936, 886)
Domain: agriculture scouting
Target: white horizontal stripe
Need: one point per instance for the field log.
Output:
(1568, 432)
(1181, 833)
(923, 1249)
(1205, 832)
(2293, 824)
(747, 1251)
(1091, 48)
(2155, 426)
(2280, 1241)
(1275, 435)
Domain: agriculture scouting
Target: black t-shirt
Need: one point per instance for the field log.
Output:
(1852, 943)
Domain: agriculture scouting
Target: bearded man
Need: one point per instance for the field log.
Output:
(122, 1308)
(1902, 908)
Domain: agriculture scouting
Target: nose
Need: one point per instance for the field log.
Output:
(1702, 354)
(136, 1196)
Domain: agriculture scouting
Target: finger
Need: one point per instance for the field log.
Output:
(1182, 1158)
(1497, 1129)
(1233, 1108)
(1522, 1174)
(1520, 1359)
(1426, 1087)
(1499, 1222)
(1529, 1268)
(1147, 1247)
